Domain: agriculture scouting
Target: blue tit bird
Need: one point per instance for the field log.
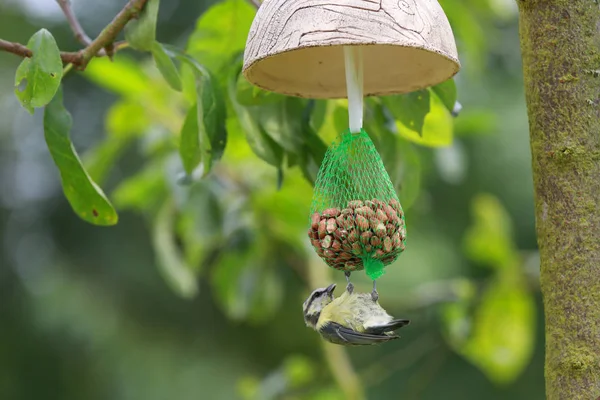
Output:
(353, 319)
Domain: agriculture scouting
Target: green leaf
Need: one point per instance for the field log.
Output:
(315, 145)
(468, 24)
(437, 128)
(312, 153)
(340, 118)
(502, 340)
(399, 156)
(210, 120)
(488, 240)
(189, 141)
(143, 191)
(122, 76)
(317, 114)
(409, 109)
(126, 118)
(313, 150)
(309, 166)
(475, 122)
(250, 95)
(220, 33)
(456, 316)
(283, 215)
(140, 33)
(282, 121)
(260, 142)
(200, 226)
(246, 285)
(38, 78)
(166, 66)
(170, 262)
(299, 370)
(188, 81)
(86, 198)
(408, 174)
(99, 160)
(446, 91)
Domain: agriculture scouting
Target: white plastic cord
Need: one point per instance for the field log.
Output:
(354, 85)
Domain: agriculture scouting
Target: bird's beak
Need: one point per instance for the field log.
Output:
(330, 289)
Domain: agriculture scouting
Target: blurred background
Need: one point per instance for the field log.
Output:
(196, 293)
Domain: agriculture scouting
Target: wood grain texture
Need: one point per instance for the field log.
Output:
(292, 46)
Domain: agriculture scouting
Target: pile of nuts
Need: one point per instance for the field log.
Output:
(373, 228)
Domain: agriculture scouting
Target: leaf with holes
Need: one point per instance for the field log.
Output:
(38, 78)
(86, 198)
(141, 33)
(166, 66)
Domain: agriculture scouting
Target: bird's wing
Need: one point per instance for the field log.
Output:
(387, 327)
(339, 334)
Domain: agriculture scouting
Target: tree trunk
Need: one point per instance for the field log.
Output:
(560, 44)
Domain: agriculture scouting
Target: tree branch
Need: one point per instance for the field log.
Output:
(80, 35)
(15, 48)
(101, 46)
(23, 51)
(107, 37)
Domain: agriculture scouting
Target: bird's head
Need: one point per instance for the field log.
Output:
(315, 303)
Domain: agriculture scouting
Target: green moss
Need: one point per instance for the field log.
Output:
(567, 78)
(560, 43)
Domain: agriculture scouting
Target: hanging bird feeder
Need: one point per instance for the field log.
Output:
(326, 49)
(295, 47)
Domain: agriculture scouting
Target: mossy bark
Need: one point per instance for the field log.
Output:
(560, 43)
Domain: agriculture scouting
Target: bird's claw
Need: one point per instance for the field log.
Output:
(375, 296)
(350, 288)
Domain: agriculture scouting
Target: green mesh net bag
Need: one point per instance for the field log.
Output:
(356, 219)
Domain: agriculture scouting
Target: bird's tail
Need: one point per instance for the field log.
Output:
(389, 327)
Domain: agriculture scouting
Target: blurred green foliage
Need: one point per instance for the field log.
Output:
(498, 335)
(197, 291)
